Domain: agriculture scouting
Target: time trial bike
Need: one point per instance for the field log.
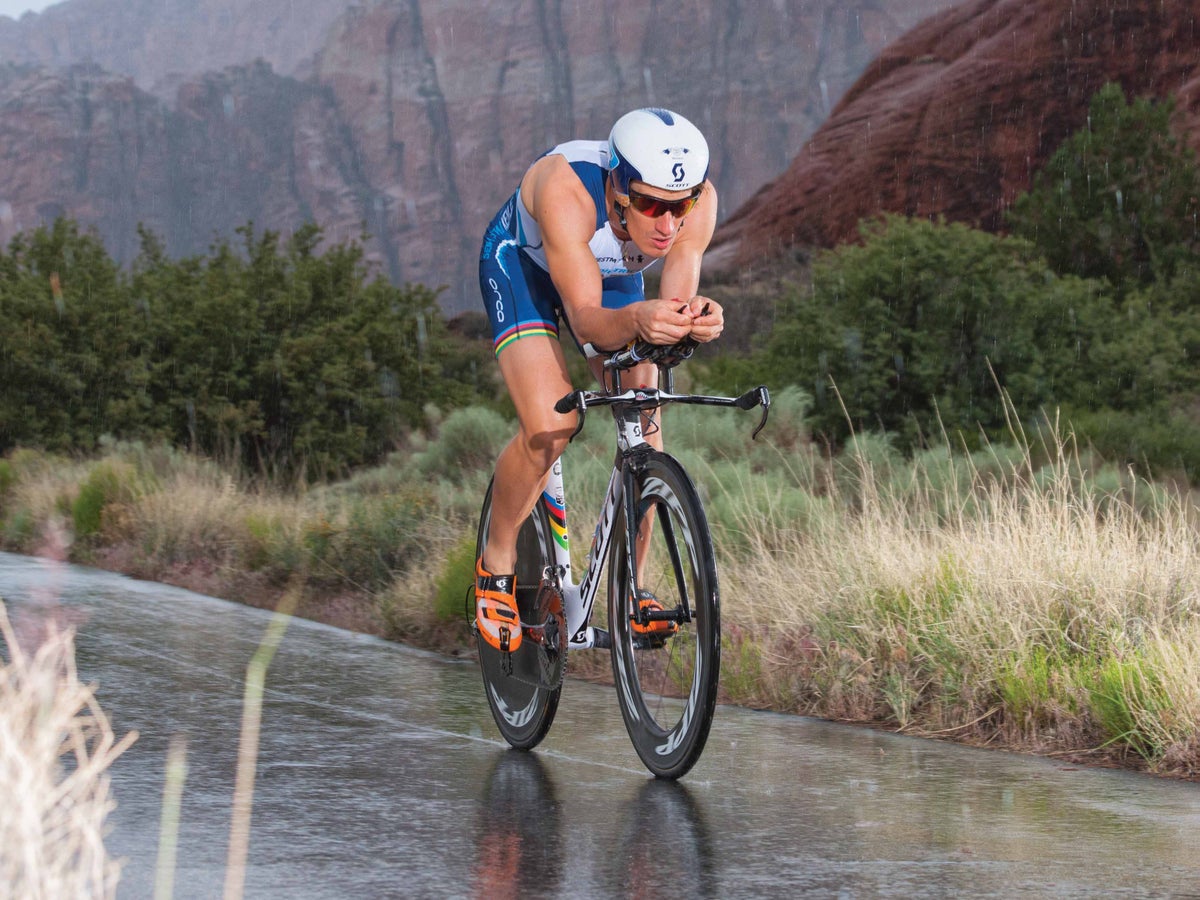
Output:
(664, 621)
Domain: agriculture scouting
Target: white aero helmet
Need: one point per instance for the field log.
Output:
(657, 147)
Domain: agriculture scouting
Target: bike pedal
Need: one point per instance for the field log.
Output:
(601, 639)
(652, 641)
(506, 665)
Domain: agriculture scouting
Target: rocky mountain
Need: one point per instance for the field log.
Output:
(955, 117)
(239, 146)
(414, 118)
(160, 43)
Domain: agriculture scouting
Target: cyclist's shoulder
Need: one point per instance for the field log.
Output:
(555, 182)
(587, 161)
(583, 153)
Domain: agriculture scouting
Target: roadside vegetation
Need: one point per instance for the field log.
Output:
(971, 516)
(53, 828)
(1086, 309)
(1023, 595)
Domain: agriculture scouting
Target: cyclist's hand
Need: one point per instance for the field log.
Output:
(663, 322)
(708, 319)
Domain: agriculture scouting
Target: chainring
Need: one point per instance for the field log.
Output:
(550, 638)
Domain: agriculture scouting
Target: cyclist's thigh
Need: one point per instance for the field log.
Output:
(621, 290)
(522, 305)
(535, 373)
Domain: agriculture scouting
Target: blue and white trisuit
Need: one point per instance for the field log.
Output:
(519, 295)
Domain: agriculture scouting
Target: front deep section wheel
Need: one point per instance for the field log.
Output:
(666, 662)
(523, 687)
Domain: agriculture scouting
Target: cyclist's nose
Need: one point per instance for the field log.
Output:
(666, 224)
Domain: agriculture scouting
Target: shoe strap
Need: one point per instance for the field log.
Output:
(486, 582)
(497, 584)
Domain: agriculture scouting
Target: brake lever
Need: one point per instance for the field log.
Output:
(766, 408)
(759, 396)
(576, 401)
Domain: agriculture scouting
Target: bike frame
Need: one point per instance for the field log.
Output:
(630, 408)
(648, 492)
(579, 599)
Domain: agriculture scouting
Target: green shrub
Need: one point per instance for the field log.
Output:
(1039, 686)
(271, 547)
(741, 667)
(20, 528)
(88, 507)
(455, 581)
(786, 430)
(1157, 442)
(108, 482)
(1118, 200)
(469, 440)
(283, 356)
(364, 541)
(748, 512)
(716, 433)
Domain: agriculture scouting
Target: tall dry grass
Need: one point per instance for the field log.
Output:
(1024, 595)
(56, 746)
(1037, 609)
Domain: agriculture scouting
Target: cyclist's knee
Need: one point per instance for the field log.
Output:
(545, 445)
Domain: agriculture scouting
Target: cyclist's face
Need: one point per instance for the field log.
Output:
(654, 216)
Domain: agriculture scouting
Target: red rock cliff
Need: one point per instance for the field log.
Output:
(954, 118)
(416, 117)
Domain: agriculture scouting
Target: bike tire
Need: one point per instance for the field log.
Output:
(667, 692)
(523, 712)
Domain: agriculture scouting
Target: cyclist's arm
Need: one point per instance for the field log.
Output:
(566, 216)
(681, 268)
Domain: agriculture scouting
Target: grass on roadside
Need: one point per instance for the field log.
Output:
(1026, 596)
(1026, 608)
(56, 746)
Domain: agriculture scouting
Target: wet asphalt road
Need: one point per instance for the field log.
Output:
(381, 775)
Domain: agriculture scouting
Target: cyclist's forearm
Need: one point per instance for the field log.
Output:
(655, 321)
(607, 329)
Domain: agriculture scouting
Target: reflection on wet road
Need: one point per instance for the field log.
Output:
(381, 775)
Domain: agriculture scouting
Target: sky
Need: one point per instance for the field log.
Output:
(16, 8)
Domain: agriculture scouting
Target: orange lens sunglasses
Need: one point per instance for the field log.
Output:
(656, 206)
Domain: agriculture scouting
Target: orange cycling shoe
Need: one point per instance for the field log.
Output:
(659, 627)
(496, 614)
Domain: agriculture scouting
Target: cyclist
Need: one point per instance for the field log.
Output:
(572, 243)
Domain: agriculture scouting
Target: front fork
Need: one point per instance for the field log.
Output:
(637, 548)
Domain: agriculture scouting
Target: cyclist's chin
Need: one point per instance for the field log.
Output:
(655, 248)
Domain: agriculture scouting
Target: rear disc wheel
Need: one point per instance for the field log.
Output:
(522, 710)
